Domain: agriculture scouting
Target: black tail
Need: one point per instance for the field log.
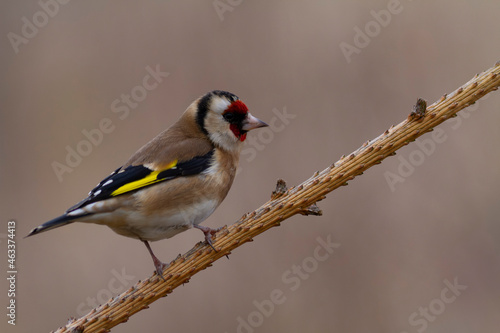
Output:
(54, 223)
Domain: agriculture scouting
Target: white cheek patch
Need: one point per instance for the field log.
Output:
(220, 105)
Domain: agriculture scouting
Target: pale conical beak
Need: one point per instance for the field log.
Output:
(251, 123)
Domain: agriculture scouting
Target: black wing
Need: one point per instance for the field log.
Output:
(135, 177)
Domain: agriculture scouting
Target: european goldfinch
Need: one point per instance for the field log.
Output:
(176, 180)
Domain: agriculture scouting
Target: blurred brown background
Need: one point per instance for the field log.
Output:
(401, 246)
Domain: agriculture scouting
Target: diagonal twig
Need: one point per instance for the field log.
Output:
(286, 203)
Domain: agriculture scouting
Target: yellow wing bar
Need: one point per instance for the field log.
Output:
(147, 180)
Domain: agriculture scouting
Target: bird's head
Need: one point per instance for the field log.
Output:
(225, 119)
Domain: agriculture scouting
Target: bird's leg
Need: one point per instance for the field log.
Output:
(208, 234)
(160, 266)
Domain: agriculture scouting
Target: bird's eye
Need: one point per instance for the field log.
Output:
(229, 116)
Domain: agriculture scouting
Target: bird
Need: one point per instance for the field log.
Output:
(175, 181)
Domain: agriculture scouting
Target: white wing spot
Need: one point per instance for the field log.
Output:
(108, 182)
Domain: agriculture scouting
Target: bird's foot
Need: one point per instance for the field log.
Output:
(159, 265)
(208, 232)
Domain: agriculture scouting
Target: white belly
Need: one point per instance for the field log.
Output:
(155, 227)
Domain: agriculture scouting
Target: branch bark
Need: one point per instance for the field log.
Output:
(286, 203)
